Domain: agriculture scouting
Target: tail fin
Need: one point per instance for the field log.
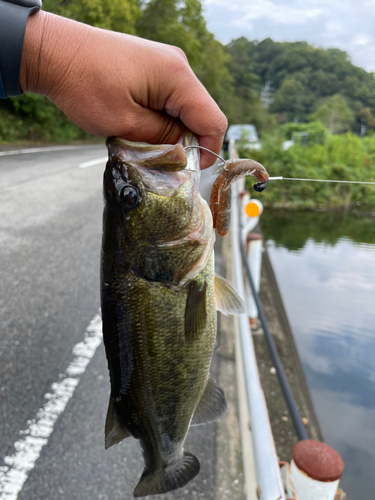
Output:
(169, 478)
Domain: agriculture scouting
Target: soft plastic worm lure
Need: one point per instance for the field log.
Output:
(221, 197)
(220, 200)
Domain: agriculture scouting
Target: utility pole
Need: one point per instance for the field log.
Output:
(266, 96)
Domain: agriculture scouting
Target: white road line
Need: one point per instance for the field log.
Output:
(29, 446)
(93, 162)
(37, 150)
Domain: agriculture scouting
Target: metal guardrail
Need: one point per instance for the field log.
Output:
(288, 395)
(270, 486)
(305, 479)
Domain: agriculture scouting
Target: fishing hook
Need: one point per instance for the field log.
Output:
(209, 150)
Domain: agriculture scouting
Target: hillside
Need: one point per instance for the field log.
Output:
(304, 78)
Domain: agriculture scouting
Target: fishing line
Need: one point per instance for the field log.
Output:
(318, 180)
(280, 177)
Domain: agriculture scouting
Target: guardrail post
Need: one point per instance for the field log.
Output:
(315, 471)
(251, 212)
(254, 257)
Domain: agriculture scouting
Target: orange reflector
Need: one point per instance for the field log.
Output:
(253, 209)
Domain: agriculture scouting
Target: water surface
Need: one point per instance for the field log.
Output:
(325, 268)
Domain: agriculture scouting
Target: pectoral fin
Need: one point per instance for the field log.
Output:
(211, 406)
(195, 312)
(114, 433)
(227, 299)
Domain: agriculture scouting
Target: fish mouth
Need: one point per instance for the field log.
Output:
(166, 157)
(163, 168)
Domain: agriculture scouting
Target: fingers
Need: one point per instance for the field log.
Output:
(154, 127)
(198, 112)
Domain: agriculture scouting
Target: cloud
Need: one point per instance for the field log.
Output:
(267, 10)
(362, 39)
(333, 29)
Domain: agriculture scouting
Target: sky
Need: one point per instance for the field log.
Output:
(345, 24)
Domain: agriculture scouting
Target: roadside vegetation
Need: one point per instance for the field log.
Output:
(318, 100)
(345, 157)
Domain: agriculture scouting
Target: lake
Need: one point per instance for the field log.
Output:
(324, 264)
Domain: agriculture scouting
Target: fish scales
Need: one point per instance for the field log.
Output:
(159, 299)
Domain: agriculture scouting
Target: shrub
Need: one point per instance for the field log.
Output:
(341, 157)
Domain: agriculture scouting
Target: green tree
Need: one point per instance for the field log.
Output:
(323, 83)
(115, 15)
(213, 72)
(245, 80)
(365, 116)
(175, 23)
(335, 115)
(292, 101)
(245, 105)
(317, 132)
(320, 74)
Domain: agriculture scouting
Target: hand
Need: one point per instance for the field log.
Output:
(111, 84)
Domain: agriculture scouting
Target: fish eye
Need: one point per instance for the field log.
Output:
(130, 197)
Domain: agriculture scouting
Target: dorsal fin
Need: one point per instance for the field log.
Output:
(227, 299)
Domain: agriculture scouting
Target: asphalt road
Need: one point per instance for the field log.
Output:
(50, 236)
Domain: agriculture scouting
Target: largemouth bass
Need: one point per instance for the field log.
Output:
(159, 297)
